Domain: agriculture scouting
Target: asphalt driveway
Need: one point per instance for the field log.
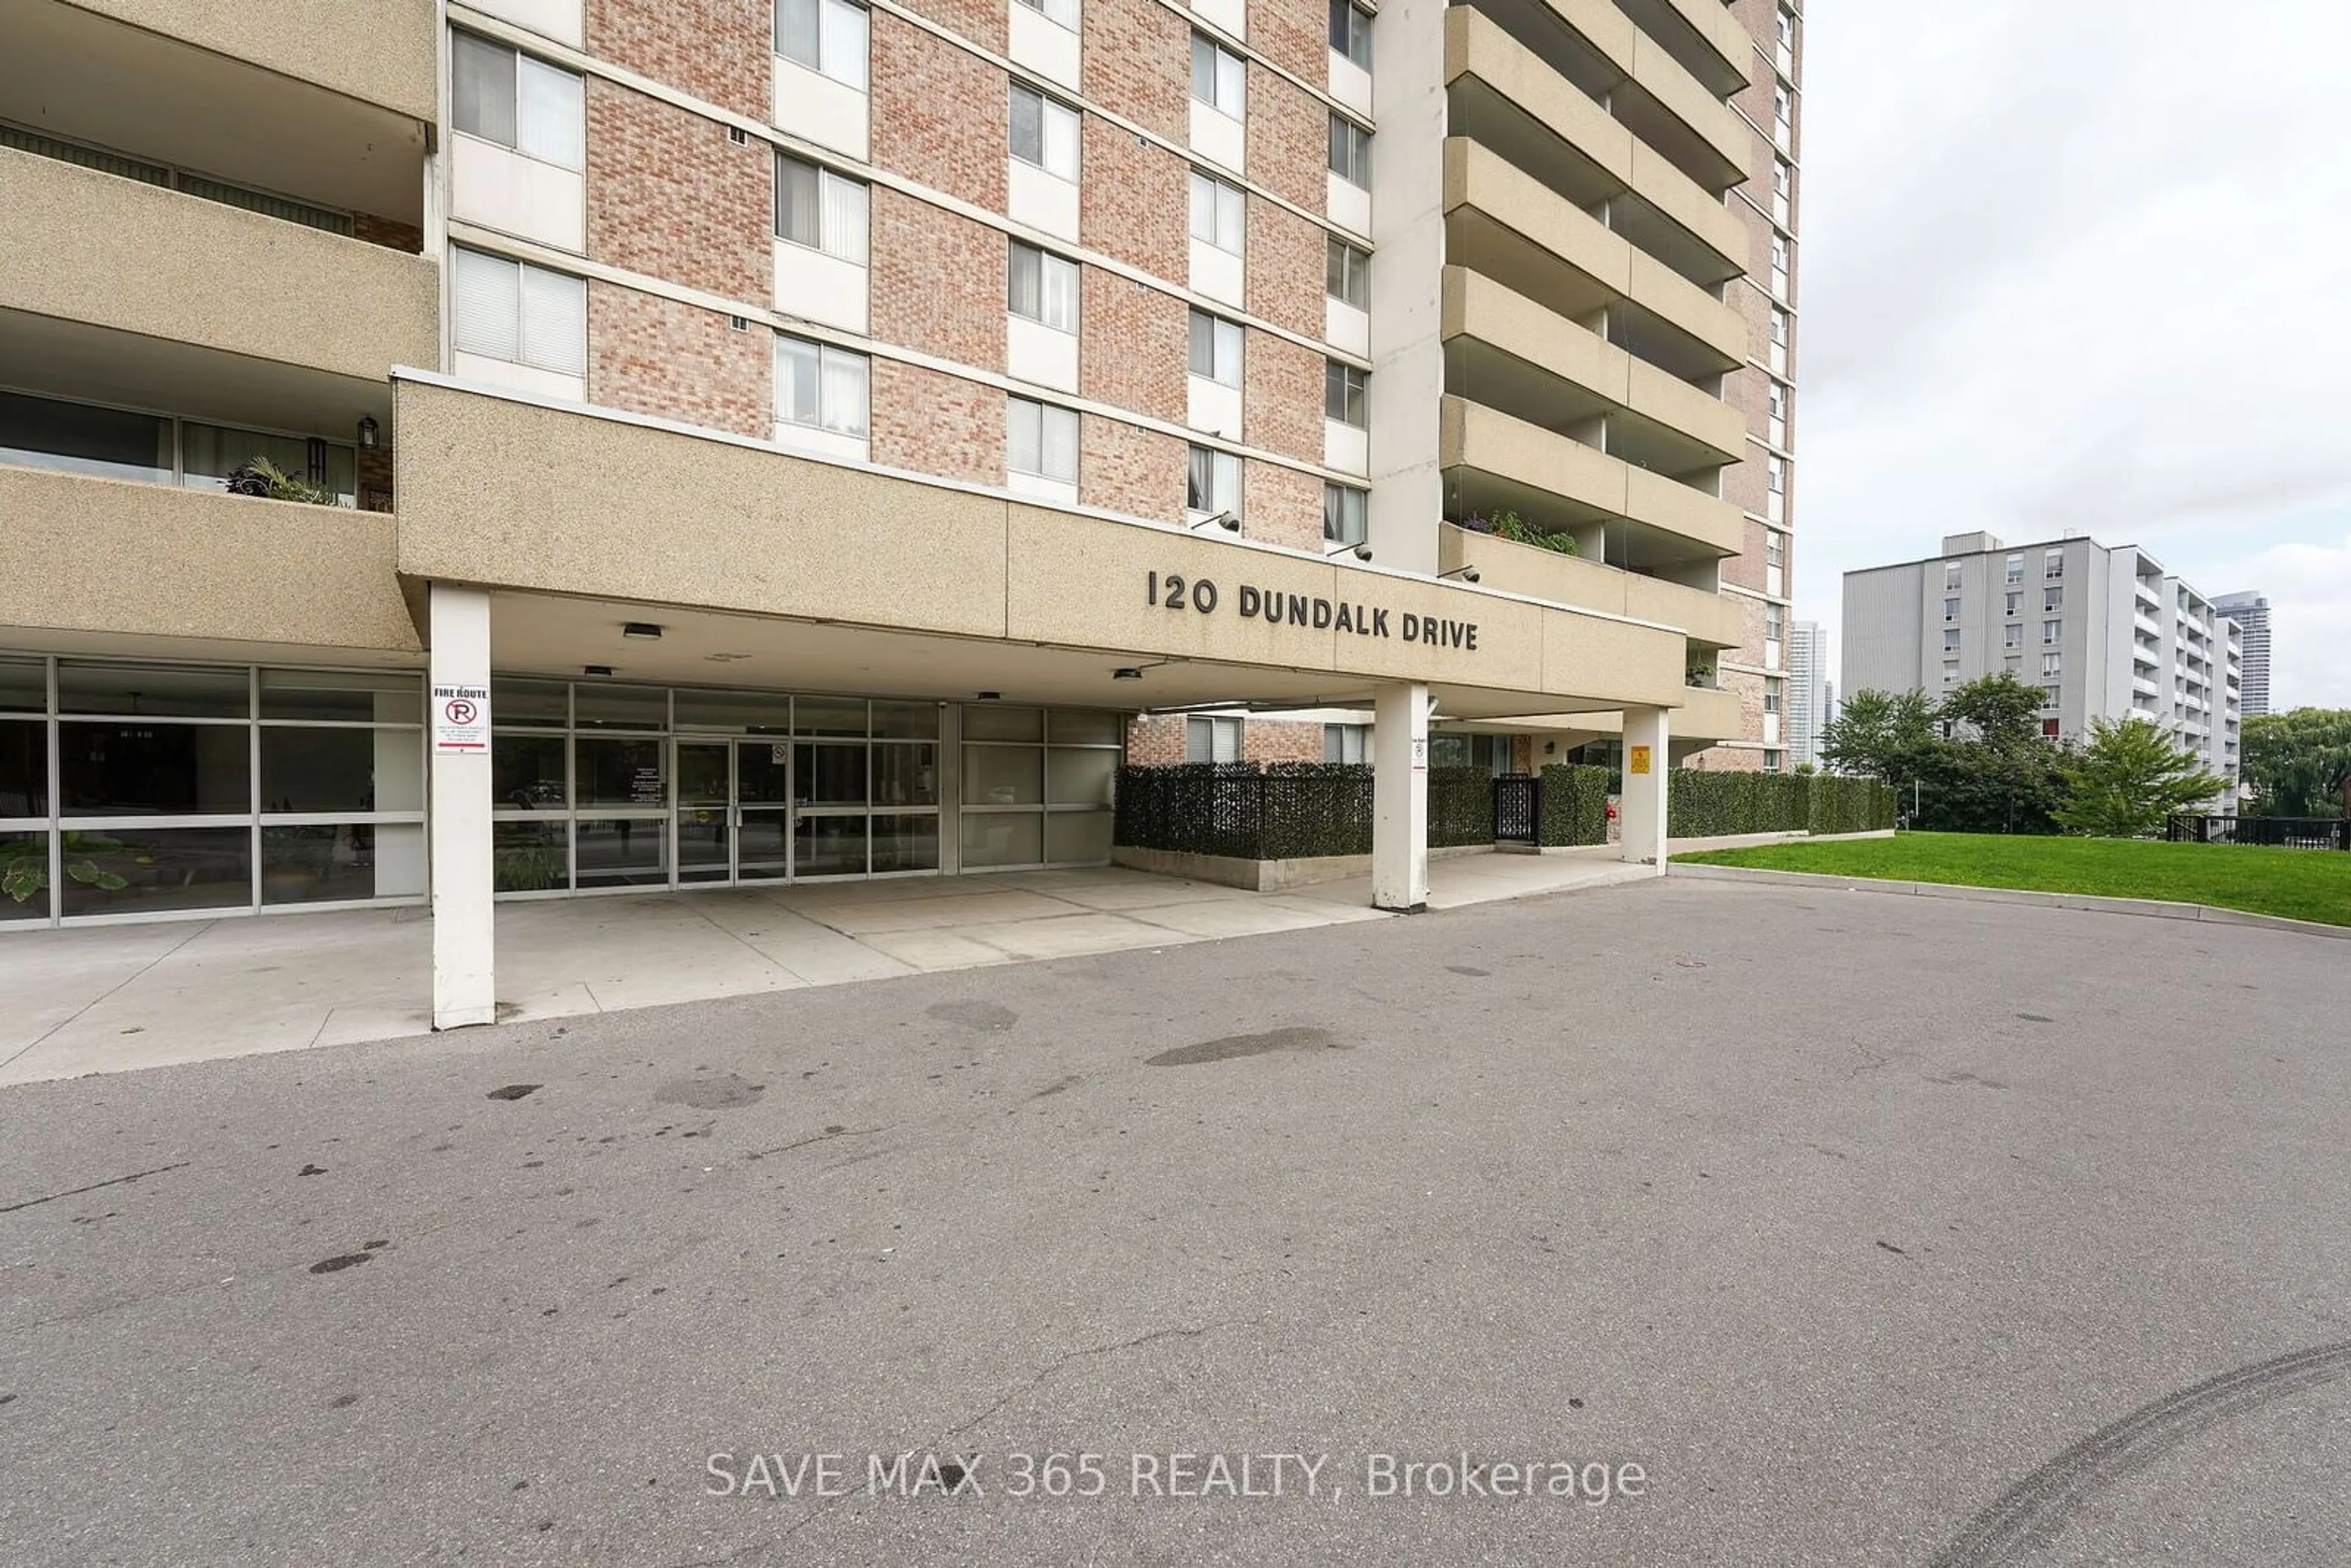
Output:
(1789, 1227)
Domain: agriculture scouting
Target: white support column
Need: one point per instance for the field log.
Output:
(465, 976)
(1400, 798)
(1641, 810)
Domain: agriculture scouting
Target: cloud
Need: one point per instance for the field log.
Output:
(2068, 268)
(2309, 589)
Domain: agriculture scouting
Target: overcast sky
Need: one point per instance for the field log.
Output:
(2083, 266)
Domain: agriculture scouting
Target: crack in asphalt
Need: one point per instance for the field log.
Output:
(78, 1191)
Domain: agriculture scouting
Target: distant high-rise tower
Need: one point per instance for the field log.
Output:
(2250, 611)
(1808, 692)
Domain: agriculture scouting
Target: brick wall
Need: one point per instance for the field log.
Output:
(1135, 346)
(1289, 140)
(1281, 505)
(938, 281)
(389, 233)
(1155, 740)
(1280, 741)
(670, 196)
(979, 20)
(1125, 469)
(1294, 37)
(1281, 396)
(1138, 64)
(1286, 256)
(935, 424)
(939, 113)
(1133, 200)
(651, 355)
(719, 50)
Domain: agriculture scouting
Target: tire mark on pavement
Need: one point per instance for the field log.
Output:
(76, 1192)
(2035, 1510)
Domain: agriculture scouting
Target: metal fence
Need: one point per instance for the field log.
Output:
(2278, 832)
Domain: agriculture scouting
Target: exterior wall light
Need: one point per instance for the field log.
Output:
(369, 430)
(642, 630)
(1361, 552)
(1465, 573)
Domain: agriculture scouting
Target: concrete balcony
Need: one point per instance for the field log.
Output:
(1652, 90)
(174, 272)
(1570, 484)
(1702, 617)
(1505, 97)
(1505, 224)
(155, 561)
(381, 53)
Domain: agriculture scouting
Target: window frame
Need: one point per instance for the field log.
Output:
(1338, 528)
(1354, 264)
(521, 356)
(1047, 261)
(1350, 33)
(1047, 106)
(1220, 335)
(1017, 408)
(826, 64)
(1353, 142)
(827, 354)
(1346, 388)
(1226, 76)
(826, 180)
(1070, 17)
(1222, 198)
(520, 66)
(1218, 465)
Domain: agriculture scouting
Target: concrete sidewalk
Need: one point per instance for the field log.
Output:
(110, 998)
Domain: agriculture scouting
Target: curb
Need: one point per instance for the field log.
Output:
(2150, 908)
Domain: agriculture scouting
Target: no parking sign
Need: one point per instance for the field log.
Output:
(461, 719)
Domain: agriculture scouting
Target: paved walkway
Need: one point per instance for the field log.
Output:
(110, 998)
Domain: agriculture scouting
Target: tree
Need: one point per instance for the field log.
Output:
(2001, 775)
(2127, 779)
(2299, 763)
(1879, 735)
(2001, 710)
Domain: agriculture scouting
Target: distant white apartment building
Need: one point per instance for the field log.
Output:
(2101, 631)
(1810, 703)
(2250, 611)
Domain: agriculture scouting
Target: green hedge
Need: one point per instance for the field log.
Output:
(1575, 804)
(1703, 805)
(1842, 805)
(1460, 807)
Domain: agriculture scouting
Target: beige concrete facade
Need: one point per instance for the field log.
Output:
(384, 53)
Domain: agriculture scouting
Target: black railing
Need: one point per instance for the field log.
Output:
(1517, 808)
(2277, 832)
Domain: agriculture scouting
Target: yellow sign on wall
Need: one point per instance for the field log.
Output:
(1640, 763)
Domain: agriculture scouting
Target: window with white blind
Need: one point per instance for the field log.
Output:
(1212, 481)
(524, 315)
(1217, 75)
(1347, 273)
(822, 210)
(1044, 133)
(1347, 743)
(1351, 151)
(1061, 12)
(822, 386)
(1040, 439)
(1212, 739)
(1774, 621)
(1343, 511)
(826, 36)
(1218, 212)
(1042, 287)
(1216, 349)
(514, 100)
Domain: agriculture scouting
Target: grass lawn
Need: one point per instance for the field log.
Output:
(2301, 884)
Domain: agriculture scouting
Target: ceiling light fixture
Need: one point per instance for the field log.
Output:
(642, 630)
(595, 669)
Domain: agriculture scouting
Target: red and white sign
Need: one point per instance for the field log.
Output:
(461, 719)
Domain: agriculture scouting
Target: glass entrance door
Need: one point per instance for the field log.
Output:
(763, 810)
(705, 811)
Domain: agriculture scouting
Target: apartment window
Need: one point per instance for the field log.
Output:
(1351, 151)
(1343, 511)
(1212, 481)
(1950, 672)
(2014, 637)
(517, 102)
(1347, 743)
(1347, 273)
(521, 314)
(1951, 639)
(2015, 603)
(1040, 439)
(1779, 253)
(1044, 133)
(1350, 32)
(2016, 569)
(1344, 389)
(2052, 599)
(1950, 609)
(1212, 739)
(2053, 563)
(820, 209)
(1778, 326)
(826, 36)
(1216, 349)
(2048, 729)
(1774, 760)
(2014, 663)
(1776, 475)
(1217, 75)
(2053, 630)
(2051, 663)
(1043, 287)
(1217, 212)
(2049, 696)
(1783, 104)
(1773, 701)
(1773, 621)
(1950, 577)
(1063, 12)
(822, 386)
(1779, 399)
(1775, 550)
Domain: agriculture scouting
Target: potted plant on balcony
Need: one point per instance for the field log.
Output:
(1508, 524)
(1701, 676)
(260, 477)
